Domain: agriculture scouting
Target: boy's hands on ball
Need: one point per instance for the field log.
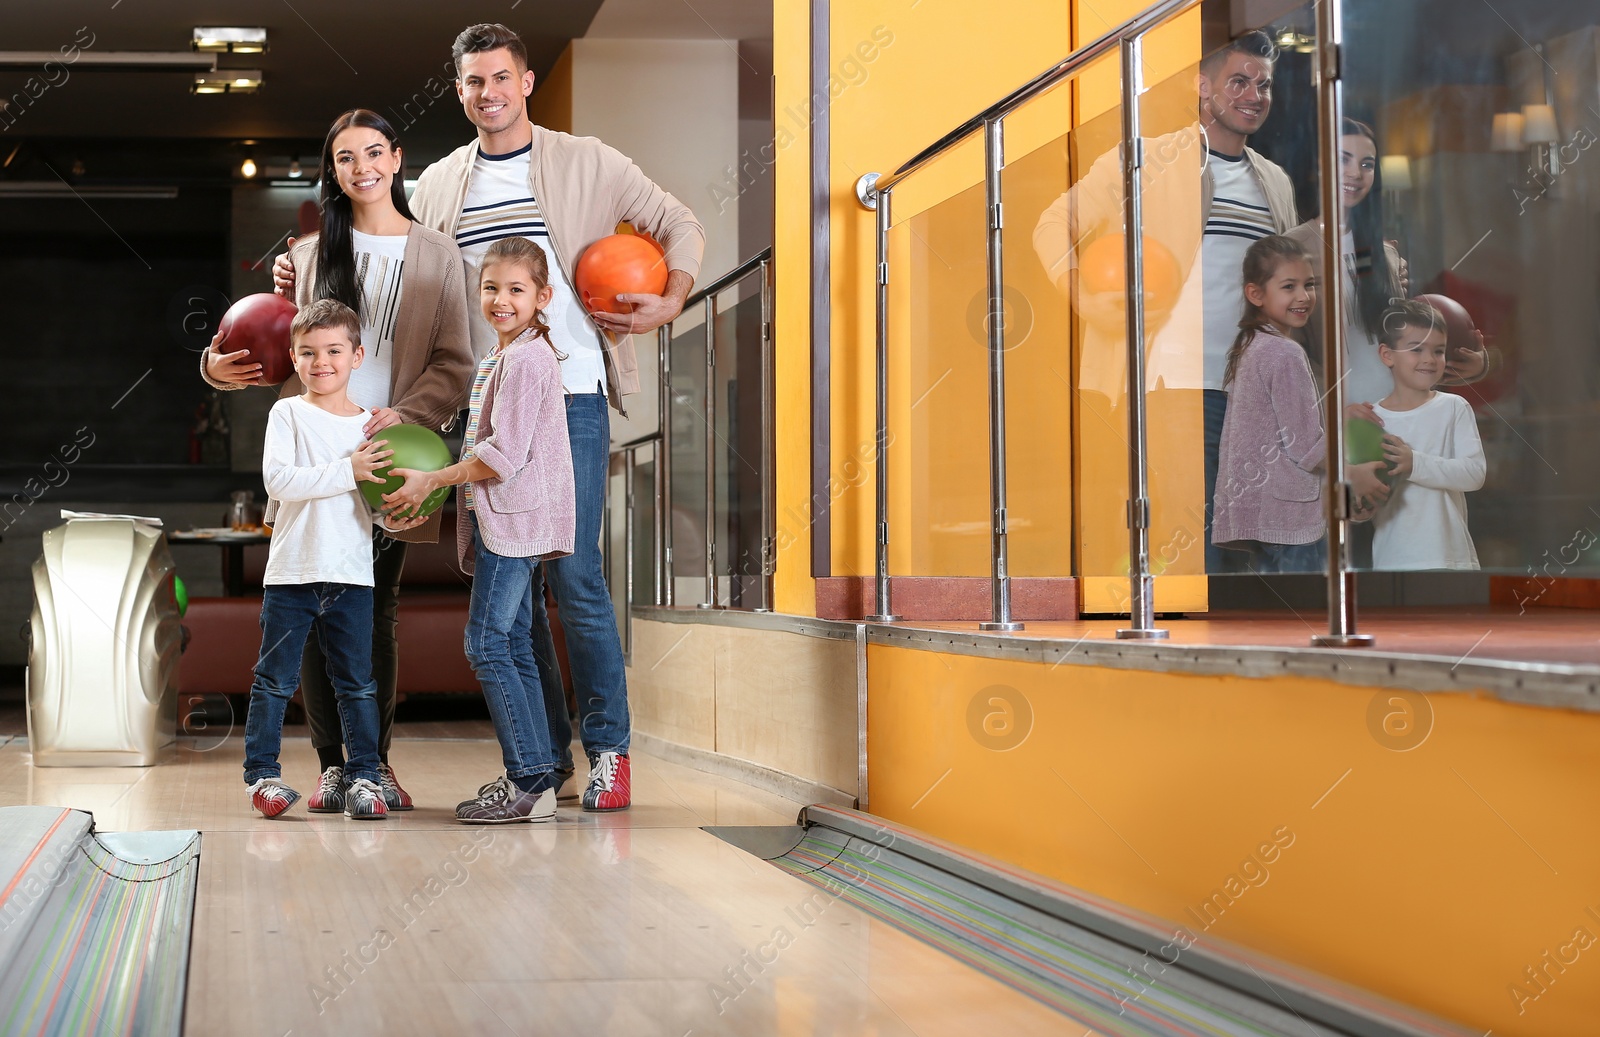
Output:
(1398, 455)
(368, 458)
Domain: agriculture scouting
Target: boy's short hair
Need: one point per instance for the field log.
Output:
(1407, 313)
(1255, 44)
(487, 36)
(325, 313)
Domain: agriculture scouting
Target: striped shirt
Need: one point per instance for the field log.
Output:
(379, 265)
(1239, 217)
(500, 204)
(469, 439)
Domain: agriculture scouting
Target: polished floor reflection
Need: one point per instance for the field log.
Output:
(628, 923)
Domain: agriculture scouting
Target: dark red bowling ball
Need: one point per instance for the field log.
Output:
(260, 324)
(1459, 331)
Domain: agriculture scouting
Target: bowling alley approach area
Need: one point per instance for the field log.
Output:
(894, 518)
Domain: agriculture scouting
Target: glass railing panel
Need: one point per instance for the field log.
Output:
(739, 454)
(1038, 322)
(939, 512)
(688, 425)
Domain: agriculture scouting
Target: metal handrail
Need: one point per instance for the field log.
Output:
(1150, 18)
(732, 277)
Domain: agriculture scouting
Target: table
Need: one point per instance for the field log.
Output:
(232, 544)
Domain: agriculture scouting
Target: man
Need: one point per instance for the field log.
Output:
(1241, 198)
(564, 193)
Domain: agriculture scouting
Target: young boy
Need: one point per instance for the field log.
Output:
(319, 567)
(1432, 447)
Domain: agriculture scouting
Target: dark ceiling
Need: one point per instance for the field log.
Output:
(323, 59)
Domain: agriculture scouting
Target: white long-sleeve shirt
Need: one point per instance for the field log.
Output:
(1423, 525)
(322, 531)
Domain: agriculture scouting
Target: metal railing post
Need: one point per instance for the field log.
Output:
(883, 603)
(664, 591)
(1141, 590)
(711, 454)
(769, 448)
(995, 160)
(627, 549)
(1341, 581)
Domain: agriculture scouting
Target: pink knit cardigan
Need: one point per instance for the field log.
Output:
(528, 509)
(1272, 444)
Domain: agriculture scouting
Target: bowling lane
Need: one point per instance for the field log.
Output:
(635, 923)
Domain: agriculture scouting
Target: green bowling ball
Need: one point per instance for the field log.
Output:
(414, 447)
(1363, 443)
(180, 594)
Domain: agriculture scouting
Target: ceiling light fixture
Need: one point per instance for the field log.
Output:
(227, 81)
(229, 40)
(247, 168)
(295, 171)
(1298, 42)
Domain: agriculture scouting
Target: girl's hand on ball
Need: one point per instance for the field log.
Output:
(397, 524)
(409, 498)
(368, 458)
(1398, 453)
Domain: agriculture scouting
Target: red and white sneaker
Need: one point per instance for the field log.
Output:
(272, 797)
(329, 797)
(394, 797)
(610, 784)
(363, 801)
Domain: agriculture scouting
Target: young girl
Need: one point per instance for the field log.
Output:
(516, 506)
(1269, 495)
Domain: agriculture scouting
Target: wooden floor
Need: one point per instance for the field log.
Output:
(635, 923)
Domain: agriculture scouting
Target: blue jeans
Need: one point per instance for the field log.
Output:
(499, 646)
(1286, 558)
(341, 616)
(587, 617)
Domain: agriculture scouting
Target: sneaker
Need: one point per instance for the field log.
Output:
(500, 802)
(329, 797)
(394, 797)
(363, 801)
(272, 797)
(610, 783)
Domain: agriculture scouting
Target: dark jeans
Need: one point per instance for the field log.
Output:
(388, 560)
(340, 614)
(499, 646)
(1216, 409)
(587, 616)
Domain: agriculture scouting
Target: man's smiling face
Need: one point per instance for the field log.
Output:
(1239, 95)
(493, 89)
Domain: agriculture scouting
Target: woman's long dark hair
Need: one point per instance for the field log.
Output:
(1261, 262)
(336, 261)
(1376, 284)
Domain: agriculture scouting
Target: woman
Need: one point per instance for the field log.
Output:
(406, 283)
(1374, 274)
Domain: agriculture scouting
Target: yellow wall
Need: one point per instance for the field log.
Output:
(794, 590)
(1434, 875)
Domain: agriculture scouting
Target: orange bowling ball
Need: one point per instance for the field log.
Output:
(1102, 268)
(618, 265)
(260, 324)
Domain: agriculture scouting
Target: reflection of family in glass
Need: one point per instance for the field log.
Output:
(1249, 272)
